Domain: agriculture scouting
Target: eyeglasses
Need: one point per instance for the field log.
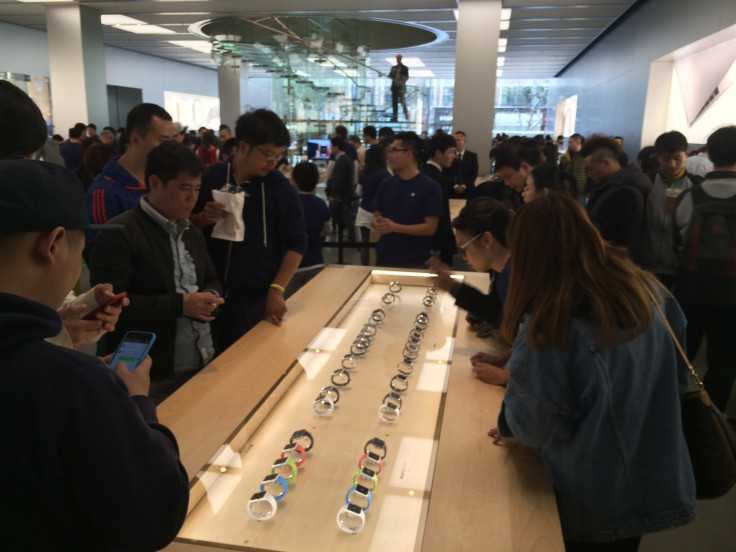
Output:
(269, 158)
(467, 243)
(394, 150)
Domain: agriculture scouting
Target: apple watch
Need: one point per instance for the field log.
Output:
(323, 405)
(378, 314)
(262, 506)
(399, 383)
(357, 350)
(351, 518)
(376, 446)
(340, 377)
(405, 368)
(331, 392)
(389, 412)
(416, 336)
(428, 302)
(433, 289)
(304, 438)
(285, 467)
(393, 398)
(349, 362)
(413, 347)
(368, 330)
(371, 460)
(360, 496)
(388, 298)
(295, 452)
(275, 485)
(366, 477)
(394, 287)
(410, 355)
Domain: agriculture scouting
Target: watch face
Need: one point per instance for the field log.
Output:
(410, 355)
(376, 445)
(357, 350)
(394, 287)
(359, 499)
(260, 507)
(380, 314)
(270, 478)
(368, 330)
(331, 393)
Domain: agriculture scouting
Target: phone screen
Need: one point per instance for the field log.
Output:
(133, 349)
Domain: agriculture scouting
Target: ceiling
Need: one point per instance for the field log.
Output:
(543, 35)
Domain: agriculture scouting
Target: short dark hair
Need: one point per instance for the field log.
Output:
(261, 126)
(440, 142)
(551, 177)
(338, 142)
(578, 137)
(305, 176)
(461, 132)
(370, 131)
(341, 131)
(229, 146)
(225, 127)
(412, 142)
(647, 159)
(141, 116)
(169, 159)
(92, 125)
(17, 111)
(600, 147)
(386, 132)
(722, 146)
(484, 214)
(517, 151)
(75, 132)
(670, 142)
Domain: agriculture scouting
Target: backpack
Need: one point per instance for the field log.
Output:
(710, 248)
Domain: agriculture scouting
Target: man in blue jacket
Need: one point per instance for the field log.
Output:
(255, 271)
(85, 463)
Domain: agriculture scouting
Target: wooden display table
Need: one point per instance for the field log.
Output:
(444, 485)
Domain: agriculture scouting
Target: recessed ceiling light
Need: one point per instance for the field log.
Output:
(455, 13)
(408, 61)
(422, 73)
(504, 25)
(505, 14)
(499, 72)
(199, 45)
(144, 29)
(43, 1)
(117, 19)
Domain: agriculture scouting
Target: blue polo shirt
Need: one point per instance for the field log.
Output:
(407, 202)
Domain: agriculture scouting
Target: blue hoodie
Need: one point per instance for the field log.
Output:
(113, 192)
(85, 467)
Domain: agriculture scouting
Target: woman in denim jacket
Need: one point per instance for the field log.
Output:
(595, 380)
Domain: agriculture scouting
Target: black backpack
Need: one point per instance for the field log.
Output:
(709, 264)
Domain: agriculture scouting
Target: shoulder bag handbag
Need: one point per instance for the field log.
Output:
(710, 439)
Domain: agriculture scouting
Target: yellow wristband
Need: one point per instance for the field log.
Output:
(278, 287)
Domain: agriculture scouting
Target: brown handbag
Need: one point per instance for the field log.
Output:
(710, 439)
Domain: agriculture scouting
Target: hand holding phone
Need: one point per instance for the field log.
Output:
(133, 349)
(115, 300)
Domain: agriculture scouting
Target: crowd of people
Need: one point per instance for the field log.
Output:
(208, 241)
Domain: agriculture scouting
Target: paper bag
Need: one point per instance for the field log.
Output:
(231, 227)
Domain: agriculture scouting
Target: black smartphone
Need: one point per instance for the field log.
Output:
(133, 349)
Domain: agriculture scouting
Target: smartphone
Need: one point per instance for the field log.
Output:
(133, 349)
(114, 300)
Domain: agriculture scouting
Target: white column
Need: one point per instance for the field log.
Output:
(476, 53)
(228, 85)
(77, 64)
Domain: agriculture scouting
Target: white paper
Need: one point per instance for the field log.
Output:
(231, 227)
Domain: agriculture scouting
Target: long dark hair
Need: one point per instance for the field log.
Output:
(562, 268)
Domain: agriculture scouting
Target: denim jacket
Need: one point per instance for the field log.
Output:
(608, 423)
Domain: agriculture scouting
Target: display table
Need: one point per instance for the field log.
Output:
(443, 485)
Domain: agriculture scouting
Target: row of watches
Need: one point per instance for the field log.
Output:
(351, 517)
(264, 504)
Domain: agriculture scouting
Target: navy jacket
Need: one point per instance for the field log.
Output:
(253, 263)
(85, 467)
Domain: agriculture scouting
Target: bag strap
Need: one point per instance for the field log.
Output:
(690, 369)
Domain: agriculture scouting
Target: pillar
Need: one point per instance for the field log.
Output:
(476, 52)
(228, 85)
(77, 64)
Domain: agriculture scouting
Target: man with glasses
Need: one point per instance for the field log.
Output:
(255, 271)
(408, 207)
